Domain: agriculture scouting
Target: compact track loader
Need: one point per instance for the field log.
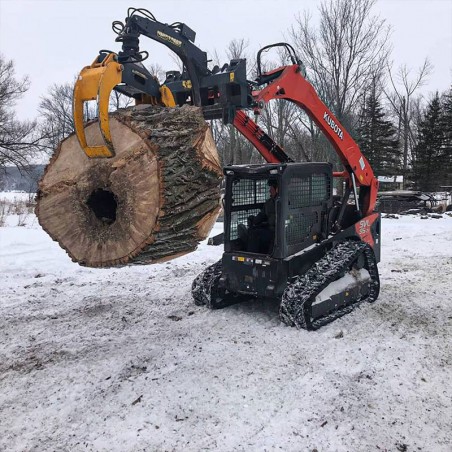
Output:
(320, 251)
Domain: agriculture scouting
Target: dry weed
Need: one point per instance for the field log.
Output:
(3, 212)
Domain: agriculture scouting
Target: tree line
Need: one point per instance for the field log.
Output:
(347, 55)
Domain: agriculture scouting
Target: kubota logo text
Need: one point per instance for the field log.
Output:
(333, 125)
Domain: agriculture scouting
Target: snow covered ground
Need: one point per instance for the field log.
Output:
(122, 360)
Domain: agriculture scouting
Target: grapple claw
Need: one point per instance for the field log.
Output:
(96, 82)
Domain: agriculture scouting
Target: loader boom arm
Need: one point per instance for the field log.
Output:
(222, 93)
(177, 37)
(289, 84)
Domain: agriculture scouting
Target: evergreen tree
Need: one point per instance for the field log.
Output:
(377, 138)
(429, 165)
(446, 122)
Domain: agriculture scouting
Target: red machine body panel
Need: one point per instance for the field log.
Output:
(292, 86)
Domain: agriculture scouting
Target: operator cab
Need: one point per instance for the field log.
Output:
(301, 204)
(259, 250)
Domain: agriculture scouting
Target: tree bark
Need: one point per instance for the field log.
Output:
(155, 200)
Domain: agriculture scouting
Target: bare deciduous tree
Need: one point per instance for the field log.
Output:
(156, 71)
(56, 112)
(118, 100)
(19, 140)
(405, 106)
(237, 48)
(341, 55)
(232, 146)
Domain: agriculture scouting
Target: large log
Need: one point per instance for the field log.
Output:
(155, 200)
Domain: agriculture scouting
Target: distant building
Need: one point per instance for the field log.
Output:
(390, 183)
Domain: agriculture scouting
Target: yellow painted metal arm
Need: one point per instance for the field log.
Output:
(96, 82)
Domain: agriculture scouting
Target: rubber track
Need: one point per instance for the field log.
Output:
(299, 295)
(201, 288)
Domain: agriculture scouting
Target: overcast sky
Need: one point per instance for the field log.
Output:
(51, 41)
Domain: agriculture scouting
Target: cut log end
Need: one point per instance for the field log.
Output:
(155, 200)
